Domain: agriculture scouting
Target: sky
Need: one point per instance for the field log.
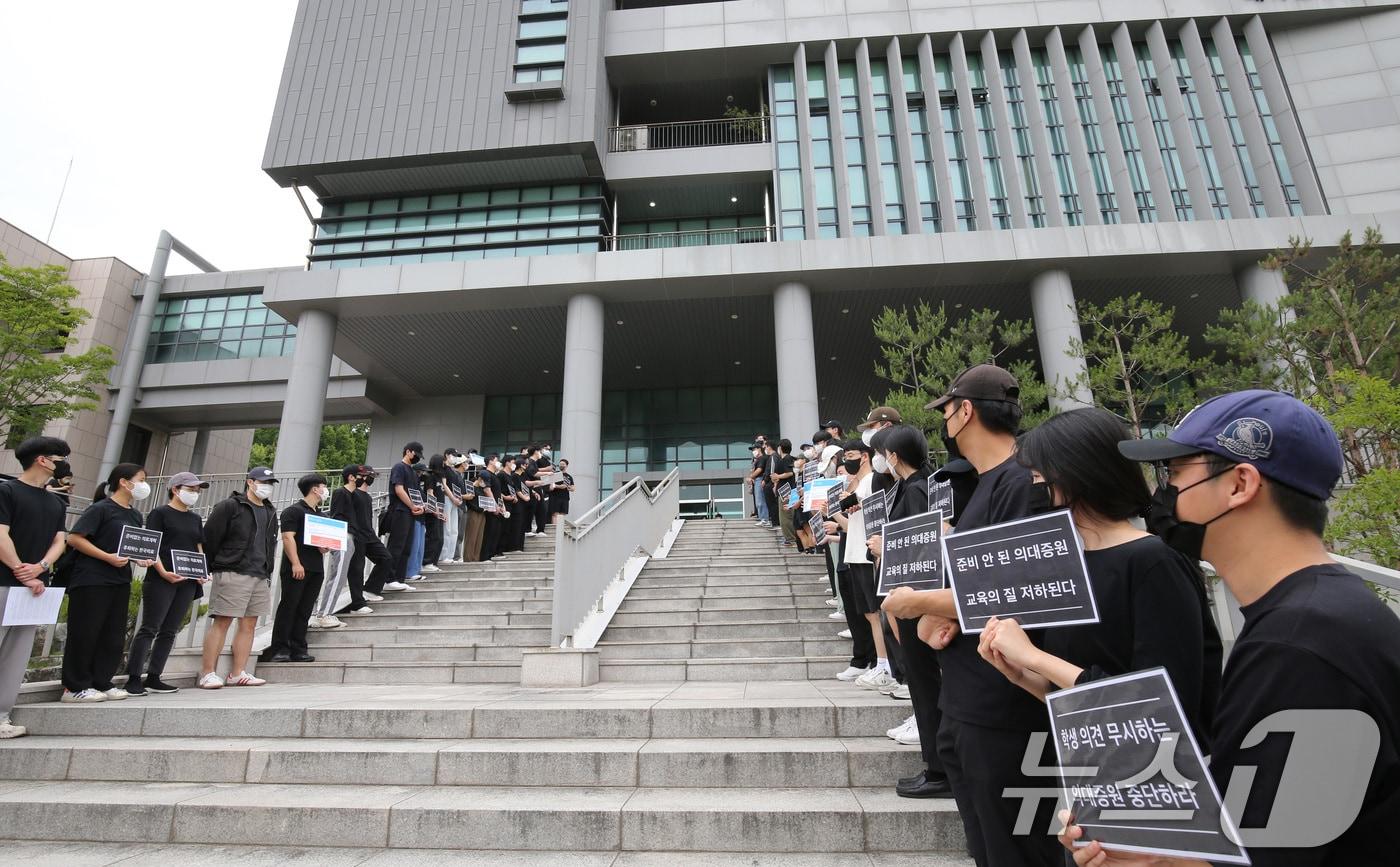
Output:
(163, 106)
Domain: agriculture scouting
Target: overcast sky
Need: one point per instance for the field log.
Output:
(163, 105)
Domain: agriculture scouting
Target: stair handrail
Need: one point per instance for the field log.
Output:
(592, 550)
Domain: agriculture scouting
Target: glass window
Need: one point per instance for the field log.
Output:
(548, 53)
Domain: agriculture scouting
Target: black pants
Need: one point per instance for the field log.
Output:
(298, 599)
(862, 637)
(96, 633)
(432, 542)
(163, 608)
(519, 516)
(925, 681)
(491, 537)
(383, 571)
(541, 509)
(982, 762)
(401, 523)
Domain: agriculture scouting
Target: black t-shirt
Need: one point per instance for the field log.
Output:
(1319, 639)
(180, 531)
(973, 691)
(35, 517)
(1152, 611)
(102, 525)
(401, 474)
(782, 465)
(364, 516)
(293, 520)
(454, 482)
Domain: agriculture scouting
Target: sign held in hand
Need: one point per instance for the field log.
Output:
(327, 533)
(940, 497)
(1031, 569)
(1132, 772)
(138, 543)
(189, 564)
(910, 555)
(873, 513)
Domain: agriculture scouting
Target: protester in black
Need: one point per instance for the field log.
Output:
(301, 573)
(99, 587)
(1243, 483)
(368, 545)
(31, 541)
(403, 514)
(165, 595)
(559, 494)
(1151, 600)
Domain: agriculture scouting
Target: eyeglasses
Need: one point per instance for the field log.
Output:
(1164, 471)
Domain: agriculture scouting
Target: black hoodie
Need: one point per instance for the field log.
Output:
(229, 532)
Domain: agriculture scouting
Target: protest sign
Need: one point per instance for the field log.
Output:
(138, 543)
(1031, 569)
(910, 555)
(873, 511)
(189, 564)
(1133, 775)
(817, 524)
(328, 533)
(940, 497)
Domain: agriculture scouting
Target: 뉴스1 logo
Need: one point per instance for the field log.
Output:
(1248, 438)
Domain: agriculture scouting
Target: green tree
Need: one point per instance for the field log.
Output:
(1136, 365)
(341, 444)
(922, 350)
(41, 381)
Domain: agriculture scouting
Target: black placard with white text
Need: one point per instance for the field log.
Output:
(817, 523)
(940, 497)
(189, 564)
(138, 543)
(784, 494)
(1133, 775)
(1031, 569)
(873, 512)
(910, 555)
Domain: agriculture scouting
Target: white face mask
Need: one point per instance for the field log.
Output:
(189, 498)
(879, 465)
(140, 491)
(867, 435)
(323, 493)
(809, 453)
(264, 492)
(547, 452)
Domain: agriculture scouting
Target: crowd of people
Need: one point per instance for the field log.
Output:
(454, 508)
(1242, 483)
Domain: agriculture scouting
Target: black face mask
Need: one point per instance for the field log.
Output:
(366, 482)
(1183, 536)
(852, 467)
(950, 443)
(61, 470)
(1040, 500)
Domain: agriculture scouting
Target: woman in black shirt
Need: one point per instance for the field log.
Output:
(559, 494)
(99, 587)
(166, 596)
(1151, 599)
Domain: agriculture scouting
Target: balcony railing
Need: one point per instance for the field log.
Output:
(693, 238)
(688, 134)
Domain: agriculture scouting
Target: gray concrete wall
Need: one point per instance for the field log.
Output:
(382, 79)
(437, 423)
(1344, 78)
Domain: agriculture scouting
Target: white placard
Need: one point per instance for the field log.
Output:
(23, 608)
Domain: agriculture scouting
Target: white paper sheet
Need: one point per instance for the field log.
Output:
(23, 608)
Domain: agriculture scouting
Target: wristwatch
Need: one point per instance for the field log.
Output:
(44, 565)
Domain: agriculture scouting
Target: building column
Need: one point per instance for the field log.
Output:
(1056, 326)
(797, 362)
(201, 451)
(304, 407)
(580, 435)
(1260, 285)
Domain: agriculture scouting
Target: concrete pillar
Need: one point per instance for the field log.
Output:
(581, 431)
(135, 357)
(201, 451)
(797, 362)
(304, 407)
(1056, 325)
(1260, 285)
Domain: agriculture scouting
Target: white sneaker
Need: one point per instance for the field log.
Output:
(10, 730)
(211, 681)
(836, 615)
(243, 678)
(901, 692)
(894, 732)
(832, 602)
(116, 693)
(327, 622)
(372, 597)
(909, 736)
(430, 568)
(864, 679)
(851, 673)
(364, 610)
(84, 696)
(395, 585)
(845, 633)
(879, 680)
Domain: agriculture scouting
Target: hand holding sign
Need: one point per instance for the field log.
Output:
(910, 555)
(138, 544)
(189, 565)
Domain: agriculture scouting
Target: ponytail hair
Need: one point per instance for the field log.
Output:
(119, 474)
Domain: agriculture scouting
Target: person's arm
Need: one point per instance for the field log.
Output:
(1006, 646)
(908, 603)
(83, 546)
(217, 526)
(28, 574)
(289, 548)
(402, 493)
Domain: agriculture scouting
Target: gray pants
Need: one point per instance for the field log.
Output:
(16, 643)
(335, 580)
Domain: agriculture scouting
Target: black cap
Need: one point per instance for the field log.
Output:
(262, 474)
(880, 414)
(981, 382)
(833, 423)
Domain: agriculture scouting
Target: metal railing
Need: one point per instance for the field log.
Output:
(592, 551)
(688, 134)
(694, 238)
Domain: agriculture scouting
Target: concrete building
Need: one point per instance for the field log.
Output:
(646, 230)
(106, 290)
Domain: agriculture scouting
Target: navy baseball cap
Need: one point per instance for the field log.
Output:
(262, 474)
(1284, 438)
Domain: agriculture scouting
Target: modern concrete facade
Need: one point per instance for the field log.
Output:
(647, 230)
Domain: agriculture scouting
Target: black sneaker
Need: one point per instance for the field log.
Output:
(135, 689)
(160, 687)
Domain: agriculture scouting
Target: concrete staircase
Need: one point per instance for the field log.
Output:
(465, 624)
(726, 604)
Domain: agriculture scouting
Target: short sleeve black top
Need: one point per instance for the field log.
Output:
(973, 691)
(102, 525)
(1320, 639)
(401, 474)
(180, 531)
(35, 517)
(293, 520)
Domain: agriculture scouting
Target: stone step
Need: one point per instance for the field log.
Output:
(682, 617)
(462, 606)
(708, 762)
(358, 635)
(723, 648)
(662, 590)
(793, 628)
(722, 669)
(445, 652)
(703, 603)
(446, 619)
(391, 672)
(817, 820)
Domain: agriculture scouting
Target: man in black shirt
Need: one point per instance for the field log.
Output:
(490, 477)
(986, 722)
(403, 514)
(1310, 700)
(301, 573)
(31, 540)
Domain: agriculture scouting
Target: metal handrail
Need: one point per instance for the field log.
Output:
(592, 550)
(738, 235)
(689, 134)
